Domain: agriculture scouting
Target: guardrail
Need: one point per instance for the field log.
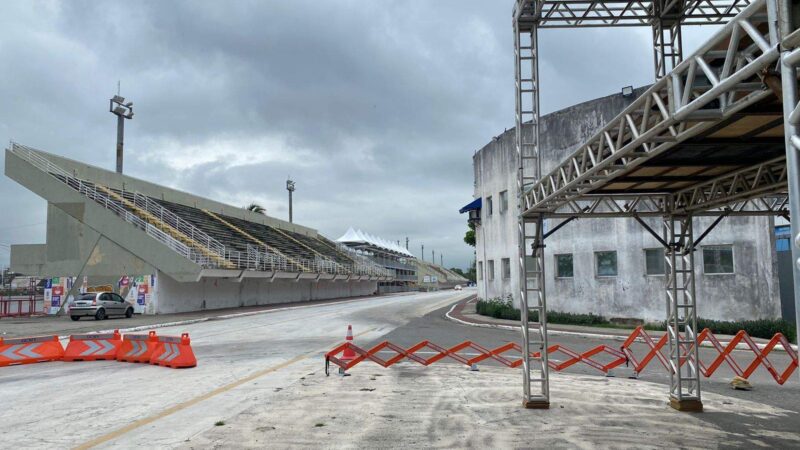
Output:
(20, 307)
(90, 191)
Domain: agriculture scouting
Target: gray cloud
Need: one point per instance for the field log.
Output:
(374, 108)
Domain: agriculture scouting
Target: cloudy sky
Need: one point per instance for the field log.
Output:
(374, 108)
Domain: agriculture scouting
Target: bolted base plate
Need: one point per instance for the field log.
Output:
(686, 405)
(536, 404)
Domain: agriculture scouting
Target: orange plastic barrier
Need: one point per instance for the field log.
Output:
(30, 350)
(623, 356)
(137, 348)
(93, 347)
(175, 352)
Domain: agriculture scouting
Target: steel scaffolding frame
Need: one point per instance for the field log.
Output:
(725, 77)
(790, 60)
(681, 313)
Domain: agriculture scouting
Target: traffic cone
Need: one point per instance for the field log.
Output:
(348, 354)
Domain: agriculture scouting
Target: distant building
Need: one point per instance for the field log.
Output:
(397, 261)
(613, 267)
(409, 273)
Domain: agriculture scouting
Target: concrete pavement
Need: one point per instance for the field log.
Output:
(445, 406)
(63, 325)
(241, 362)
(261, 378)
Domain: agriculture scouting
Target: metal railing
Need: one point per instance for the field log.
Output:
(171, 219)
(90, 191)
(251, 259)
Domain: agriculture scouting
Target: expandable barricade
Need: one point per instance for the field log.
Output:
(30, 350)
(137, 348)
(175, 352)
(93, 347)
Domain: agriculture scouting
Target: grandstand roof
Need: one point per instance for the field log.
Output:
(353, 236)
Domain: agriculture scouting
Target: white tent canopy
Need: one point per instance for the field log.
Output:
(359, 237)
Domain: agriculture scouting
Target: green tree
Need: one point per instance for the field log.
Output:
(458, 271)
(256, 208)
(469, 237)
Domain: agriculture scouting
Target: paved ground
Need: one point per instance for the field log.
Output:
(262, 376)
(63, 325)
(448, 407)
(241, 362)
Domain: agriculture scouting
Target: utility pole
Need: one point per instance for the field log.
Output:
(423, 252)
(433, 256)
(290, 188)
(123, 111)
(406, 242)
(441, 260)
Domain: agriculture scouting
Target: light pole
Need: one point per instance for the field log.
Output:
(118, 107)
(290, 188)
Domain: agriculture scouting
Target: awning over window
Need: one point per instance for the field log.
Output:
(475, 204)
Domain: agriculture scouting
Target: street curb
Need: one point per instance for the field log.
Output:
(614, 337)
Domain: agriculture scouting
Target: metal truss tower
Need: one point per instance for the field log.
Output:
(730, 75)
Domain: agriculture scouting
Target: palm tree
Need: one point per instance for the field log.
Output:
(256, 208)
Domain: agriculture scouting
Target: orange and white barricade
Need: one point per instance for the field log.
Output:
(137, 348)
(30, 350)
(93, 347)
(175, 352)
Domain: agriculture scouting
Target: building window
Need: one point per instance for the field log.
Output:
(503, 202)
(564, 266)
(605, 264)
(480, 270)
(488, 206)
(718, 259)
(490, 270)
(506, 268)
(654, 262)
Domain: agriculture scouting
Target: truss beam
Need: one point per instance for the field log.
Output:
(681, 314)
(535, 373)
(628, 13)
(675, 109)
(790, 60)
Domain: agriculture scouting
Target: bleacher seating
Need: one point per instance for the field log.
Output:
(244, 234)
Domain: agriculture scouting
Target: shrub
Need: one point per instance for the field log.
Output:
(762, 328)
(497, 308)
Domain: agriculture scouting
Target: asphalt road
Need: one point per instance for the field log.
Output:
(268, 361)
(241, 361)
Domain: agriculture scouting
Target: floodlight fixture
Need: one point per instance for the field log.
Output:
(118, 107)
(627, 91)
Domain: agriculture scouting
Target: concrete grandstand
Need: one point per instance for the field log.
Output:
(185, 252)
(408, 272)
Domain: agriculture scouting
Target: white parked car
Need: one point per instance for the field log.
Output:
(457, 287)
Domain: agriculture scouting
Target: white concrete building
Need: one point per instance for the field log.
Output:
(614, 267)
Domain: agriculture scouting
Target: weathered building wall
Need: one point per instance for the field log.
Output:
(750, 292)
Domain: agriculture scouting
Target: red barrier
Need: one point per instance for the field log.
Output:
(93, 347)
(137, 348)
(175, 352)
(30, 350)
(17, 307)
(624, 355)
